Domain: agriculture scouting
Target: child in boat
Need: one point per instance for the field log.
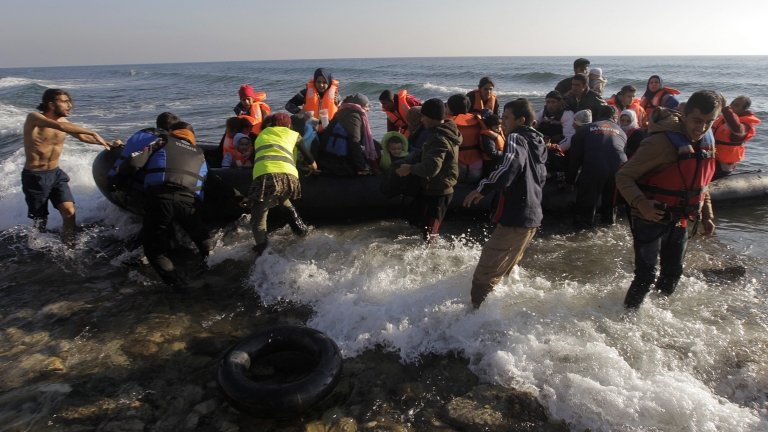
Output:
(242, 156)
(251, 105)
(492, 141)
(395, 147)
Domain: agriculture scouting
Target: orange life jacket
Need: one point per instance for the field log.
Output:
(238, 159)
(683, 186)
(470, 153)
(649, 105)
(399, 117)
(479, 105)
(497, 137)
(727, 150)
(255, 111)
(634, 106)
(313, 104)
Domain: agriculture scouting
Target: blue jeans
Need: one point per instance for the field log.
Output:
(655, 244)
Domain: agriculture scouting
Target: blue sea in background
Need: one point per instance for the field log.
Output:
(695, 361)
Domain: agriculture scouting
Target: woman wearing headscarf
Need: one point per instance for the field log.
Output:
(628, 123)
(346, 146)
(320, 98)
(657, 94)
(275, 177)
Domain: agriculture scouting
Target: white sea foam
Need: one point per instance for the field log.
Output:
(451, 90)
(11, 120)
(90, 204)
(566, 341)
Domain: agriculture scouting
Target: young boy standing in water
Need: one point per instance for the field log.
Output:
(520, 177)
(665, 183)
(42, 179)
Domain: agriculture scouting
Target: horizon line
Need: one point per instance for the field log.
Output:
(371, 58)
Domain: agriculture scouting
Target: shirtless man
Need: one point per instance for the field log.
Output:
(42, 179)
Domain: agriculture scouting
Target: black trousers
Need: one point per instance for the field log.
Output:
(427, 212)
(160, 212)
(589, 191)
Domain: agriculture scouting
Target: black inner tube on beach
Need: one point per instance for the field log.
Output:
(281, 399)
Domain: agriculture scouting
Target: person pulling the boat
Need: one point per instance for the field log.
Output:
(41, 179)
(438, 166)
(665, 183)
(321, 98)
(275, 177)
(598, 150)
(520, 178)
(176, 173)
(732, 130)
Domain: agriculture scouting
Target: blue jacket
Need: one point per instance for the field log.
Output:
(520, 177)
(598, 149)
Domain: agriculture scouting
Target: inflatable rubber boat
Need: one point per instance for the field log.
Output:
(325, 197)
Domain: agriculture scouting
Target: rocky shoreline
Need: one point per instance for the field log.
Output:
(102, 353)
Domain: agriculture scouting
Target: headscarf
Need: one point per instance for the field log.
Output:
(458, 104)
(369, 149)
(583, 117)
(648, 95)
(325, 74)
(632, 125)
(281, 119)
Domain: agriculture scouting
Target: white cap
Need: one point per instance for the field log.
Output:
(596, 71)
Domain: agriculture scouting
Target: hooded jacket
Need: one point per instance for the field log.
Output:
(520, 177)
(598, 149)
(438, 162)
(655, 154)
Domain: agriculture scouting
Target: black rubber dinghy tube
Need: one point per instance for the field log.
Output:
(280, 400)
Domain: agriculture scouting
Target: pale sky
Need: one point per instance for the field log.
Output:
(102, 32)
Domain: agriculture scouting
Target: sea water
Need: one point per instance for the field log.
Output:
(555, 326)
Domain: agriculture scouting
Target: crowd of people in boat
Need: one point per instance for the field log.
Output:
(658, 152)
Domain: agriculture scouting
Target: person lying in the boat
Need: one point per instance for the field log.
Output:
(657, 94)
(437, 166)
(635, 135)
(251, 106)
(321, 98)
(242, 156)
(483, 97)
(346, 145)
(735, 126)
(470, 155)
(396, 107)
(492, 137)
(627, 98)
(418, 133)
(275, 177)
(394, 148)
(598, 150)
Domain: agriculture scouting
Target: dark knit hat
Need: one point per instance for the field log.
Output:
(434, 109)
(554, 94)
(458, 104)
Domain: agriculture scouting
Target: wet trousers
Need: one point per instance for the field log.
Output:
(591, 190)
(426, 213)
(259, 212)
(500, 255)
(159, 213)
(655, 244)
